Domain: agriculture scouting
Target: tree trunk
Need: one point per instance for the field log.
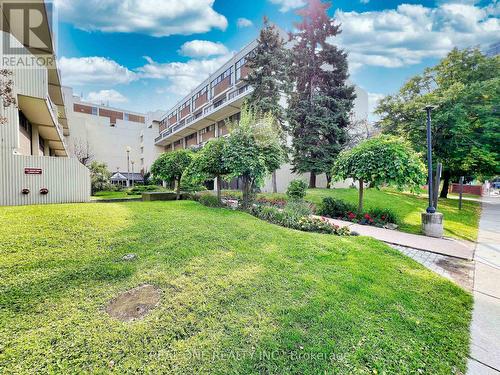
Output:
(245, 191)
(178, 189)
(446, 184)
(328, 180)
(312, 181)
(219, 188)
(360, 201)
(275, 183)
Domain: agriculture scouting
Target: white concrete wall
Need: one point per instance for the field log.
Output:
(66, 179)
(107, 143)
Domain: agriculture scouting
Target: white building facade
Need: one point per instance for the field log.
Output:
(122, 139)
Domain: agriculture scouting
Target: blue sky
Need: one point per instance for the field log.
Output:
(146, 54)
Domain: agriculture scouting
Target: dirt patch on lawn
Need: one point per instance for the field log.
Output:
(460, 271)
(135, 303)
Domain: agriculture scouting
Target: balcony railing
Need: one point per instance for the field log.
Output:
(231, 96)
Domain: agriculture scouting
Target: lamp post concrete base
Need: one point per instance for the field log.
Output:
(432, 224)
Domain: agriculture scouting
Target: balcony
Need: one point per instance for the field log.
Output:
(212, 113)
(45, 114)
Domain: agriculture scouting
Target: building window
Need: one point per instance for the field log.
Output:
(210, 128)
(203, 91)
(242, 62)
(94, 111)
(24, 123)
(223, 76)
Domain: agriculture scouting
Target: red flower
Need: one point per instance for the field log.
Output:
(351, 215)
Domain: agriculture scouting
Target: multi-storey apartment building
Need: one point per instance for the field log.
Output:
(122, 139)
(203, 114)
(35, 166)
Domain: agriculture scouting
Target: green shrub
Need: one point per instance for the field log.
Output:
(208, 200)
(138, 189)
(383, 216)
(296, 215)
(231, 194)
(335, 208)
(296, 190)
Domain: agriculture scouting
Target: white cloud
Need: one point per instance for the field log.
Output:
(410, 33)
(182, 77)
(152, 17)
(364, 1)
(105, 97)
(286, 5)
(94, 70)
(202, 48)
(243, 22)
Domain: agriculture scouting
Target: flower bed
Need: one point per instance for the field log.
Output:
(297, 215)
(338, 209)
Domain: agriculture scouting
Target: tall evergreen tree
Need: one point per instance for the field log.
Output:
(269, 78)
(268, 73)
(320, 105)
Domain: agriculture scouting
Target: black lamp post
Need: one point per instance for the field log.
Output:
(431, 209)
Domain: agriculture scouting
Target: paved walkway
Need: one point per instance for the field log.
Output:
(443, 246)
(457, 270)
(485, 327)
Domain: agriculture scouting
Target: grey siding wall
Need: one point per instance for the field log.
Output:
(66, 179)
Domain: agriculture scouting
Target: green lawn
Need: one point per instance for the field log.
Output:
(239, 296)
(458, 224)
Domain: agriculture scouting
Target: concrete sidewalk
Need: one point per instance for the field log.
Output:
(443, 246)
(485, 327)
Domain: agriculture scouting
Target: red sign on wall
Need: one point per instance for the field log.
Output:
(32, 170)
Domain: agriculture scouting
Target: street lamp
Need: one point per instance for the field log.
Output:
(128, 165)
(132, 162)
(431, 209)
(432, 221)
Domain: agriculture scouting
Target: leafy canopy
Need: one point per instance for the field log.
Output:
(99, 176)
(253, 147)
(171, 165)
(381, 160)
(465, 125)
(210, 162)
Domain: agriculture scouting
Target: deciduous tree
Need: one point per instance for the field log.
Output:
(171, 165)
(210, 163)
(465, 124)
(253, 150)
(382, 160)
